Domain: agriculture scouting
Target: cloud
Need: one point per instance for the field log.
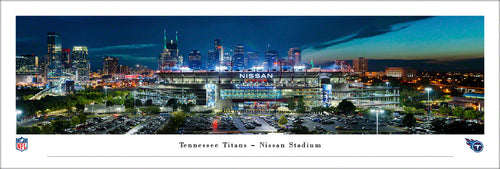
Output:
(25, 39)
(365, 33)
(369, 30)
(121, 47)
(127, 57)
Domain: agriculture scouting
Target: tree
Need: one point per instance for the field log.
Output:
(82, 117)
(420, 111)
(409, 120)
(59, 125)
(300, 103)
(411, 98)
(69, 108)
(129, 103)
(459, 112)
(472, 114)
(149, 102)
(187, 107)
(176, 119)
(80, 107)
(151, 109)
(35, 130)
(75, 121)
(300, 129)
(346, 106)
(138, 102)
(47, 129)
(283, 120)
(445, 110)
(291, 104)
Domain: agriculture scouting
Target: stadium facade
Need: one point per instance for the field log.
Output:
(250, 91)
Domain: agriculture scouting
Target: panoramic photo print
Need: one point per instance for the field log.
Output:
(146, 75)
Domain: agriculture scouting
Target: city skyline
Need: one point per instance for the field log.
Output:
(428, 40)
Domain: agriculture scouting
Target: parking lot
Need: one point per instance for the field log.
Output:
(255, 123)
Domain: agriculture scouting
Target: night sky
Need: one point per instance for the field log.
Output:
(442, 43)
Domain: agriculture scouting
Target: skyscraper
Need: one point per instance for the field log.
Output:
(360, 65)
(110, 65)
(80, 63)
(253, 59)
(124, 69)
(239, 57)
(170, 51)
(215, 56)
(195, 60)
(294, 55)
(271, 56)
(66, 58)
(52, 62)
(228, 56)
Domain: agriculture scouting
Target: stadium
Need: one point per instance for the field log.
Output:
(257, 90)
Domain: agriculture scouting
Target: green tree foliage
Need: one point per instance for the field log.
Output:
(458, 112)
(82, 117)
(75, 121)
(472, 114)
(445, 110)
(300, 129)
(420, 111)
(138, 103)
(411, 98)
(47, 129)
(300, 103)
(149, 102)
(409, 120)
(59, 125)
(283, 120)
(151, 109)
(187, 107)
(291, 104)
(172, 103)
(28, 130)
(35, 130)
(317, 109)
(129, 103)
(176, 119)
(346, 107)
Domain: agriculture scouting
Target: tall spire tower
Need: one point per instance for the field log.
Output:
(176, 40)
(164, 38)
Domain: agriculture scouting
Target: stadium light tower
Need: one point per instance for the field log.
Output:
(428, 90)
(378, 110)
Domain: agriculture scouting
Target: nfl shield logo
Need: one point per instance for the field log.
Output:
(21, 144)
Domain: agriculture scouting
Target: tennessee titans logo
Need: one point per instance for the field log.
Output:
(475, 145)
(21, 144)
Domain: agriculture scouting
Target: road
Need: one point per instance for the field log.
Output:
(138, 127)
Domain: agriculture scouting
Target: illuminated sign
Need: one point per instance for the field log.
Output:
(256, 75)
(327, 92)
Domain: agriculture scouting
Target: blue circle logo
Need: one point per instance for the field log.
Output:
(477, 146)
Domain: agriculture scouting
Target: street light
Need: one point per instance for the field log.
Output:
(377, 111)
(387, 85)
(106, 95)
(428, 90)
